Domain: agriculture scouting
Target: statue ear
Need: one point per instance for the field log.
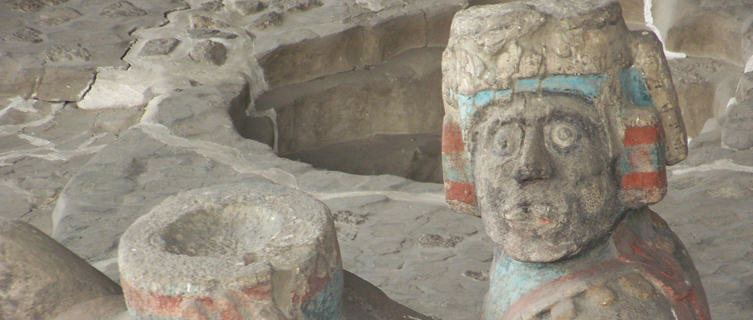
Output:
(653, 132)
(458, 180)
(641, 165)
(648, 56)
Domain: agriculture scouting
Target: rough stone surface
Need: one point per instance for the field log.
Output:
(157, 47)
(704, 28)
(33, 5)
(112, 89)
(268, 19)
(738, 126)
(58, 16)
(122, 9)
(259, 250)
(704, 87)
(246, 7)
(64, 84)
(100, 308)
(209, 51)
(717, 182)
(43, 278)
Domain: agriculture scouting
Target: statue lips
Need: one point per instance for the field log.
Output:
(531, 217)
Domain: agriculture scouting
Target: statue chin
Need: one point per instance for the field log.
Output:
(525, 249)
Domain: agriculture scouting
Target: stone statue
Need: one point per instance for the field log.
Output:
(558, 125)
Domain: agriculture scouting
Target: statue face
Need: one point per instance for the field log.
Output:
(544, 176)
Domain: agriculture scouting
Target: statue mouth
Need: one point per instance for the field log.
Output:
(527, 215)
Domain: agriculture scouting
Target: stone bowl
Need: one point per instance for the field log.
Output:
(241, 251)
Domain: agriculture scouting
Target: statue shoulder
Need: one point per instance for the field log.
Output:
(615, 294)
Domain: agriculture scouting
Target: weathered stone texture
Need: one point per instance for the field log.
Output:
(33, 5)
(122, 9)
(42, 278)
(27, 34)
(209, 51)
(707, 35)
(210, 33)
(246, 7)
(737, 128)
(704, 87)
(58, 16)
(259, 250)
(206, 22)
(159, 47)
(64, 83)
(19, 81)
(66, 53)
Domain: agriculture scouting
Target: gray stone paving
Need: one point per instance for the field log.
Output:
(89, 141)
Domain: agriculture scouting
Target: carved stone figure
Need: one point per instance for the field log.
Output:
(558, 125)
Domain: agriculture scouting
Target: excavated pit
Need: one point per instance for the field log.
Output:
(381, 119)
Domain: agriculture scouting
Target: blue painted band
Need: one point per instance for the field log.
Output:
(634, 87)
(656, 152)
(327, 304)
(588, 86)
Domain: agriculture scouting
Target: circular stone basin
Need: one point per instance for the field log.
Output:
(241, 251)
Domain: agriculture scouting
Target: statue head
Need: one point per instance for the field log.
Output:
(557, 120)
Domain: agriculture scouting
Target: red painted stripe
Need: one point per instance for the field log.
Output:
(452, 138)
(150, 304)
(640, 135)
(640, 180)
(460, 191)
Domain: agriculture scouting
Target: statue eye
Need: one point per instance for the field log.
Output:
(507, 139)
(563, 135)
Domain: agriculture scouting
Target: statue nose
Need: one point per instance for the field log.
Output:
(534, 163)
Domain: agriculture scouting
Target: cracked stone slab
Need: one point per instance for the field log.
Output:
(122, 182)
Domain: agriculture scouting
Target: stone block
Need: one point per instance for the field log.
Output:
(108, 307)
(252, 251)
(737, 129)
(57, 16)
(707, 34)
(313, 58)
(246, 7)
(63, 53)
(268, 19)
(210, 33)
(122, 9)
(27, 34)
(64, 83)
(389, 99)
(438, 20)
(703, 88)
(33, 5)
(290, 5)
(209, 51)
(131, 175)
(16, 80)
(41, 277)
(159, 47)
(379, 5)
(114, 88)
(207, 22)
(394, 35)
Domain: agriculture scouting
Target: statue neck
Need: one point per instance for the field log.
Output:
(510, 279)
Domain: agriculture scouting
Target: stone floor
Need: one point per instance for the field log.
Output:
(108, 107)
